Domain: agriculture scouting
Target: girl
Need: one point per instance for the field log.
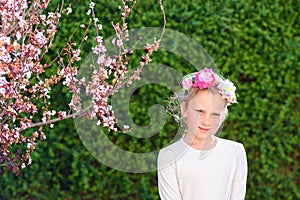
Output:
(200, 165)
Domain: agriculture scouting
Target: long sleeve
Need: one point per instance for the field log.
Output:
(240, 177)
(167, 177)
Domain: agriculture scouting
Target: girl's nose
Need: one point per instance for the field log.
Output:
(206, 120)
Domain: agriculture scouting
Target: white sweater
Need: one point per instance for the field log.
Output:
(185, 173)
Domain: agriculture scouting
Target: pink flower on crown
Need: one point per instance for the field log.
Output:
(204, 79)
(187, 84)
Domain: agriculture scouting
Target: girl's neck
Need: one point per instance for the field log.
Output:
(200, 144)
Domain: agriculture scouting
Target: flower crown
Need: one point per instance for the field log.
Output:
(205, 79)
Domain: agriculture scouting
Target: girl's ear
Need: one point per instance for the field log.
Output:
(183, 108)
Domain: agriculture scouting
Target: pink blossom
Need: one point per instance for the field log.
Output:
(43, 17)
(69, 10)
(88, 12)
(101, 59)
(62, 114)
(96, 19)
(98, 39)
(18, 35)
(92, 5)
(99, 49)
(23, 165)
(21, 22)
(76, 55)
(119, 43)
(187, 84)
(39, 38)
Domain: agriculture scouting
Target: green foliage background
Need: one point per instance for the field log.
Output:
(254, 43)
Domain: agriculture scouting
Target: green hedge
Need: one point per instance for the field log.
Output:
(254, 43)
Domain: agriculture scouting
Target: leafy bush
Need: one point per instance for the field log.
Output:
(254, 43)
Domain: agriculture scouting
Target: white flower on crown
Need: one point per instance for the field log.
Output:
(227, 90)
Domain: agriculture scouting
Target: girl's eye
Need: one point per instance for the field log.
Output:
(216, 114)
(199, 111)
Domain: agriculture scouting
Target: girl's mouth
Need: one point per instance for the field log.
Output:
(203, 129)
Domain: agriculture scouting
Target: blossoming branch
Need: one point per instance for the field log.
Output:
(26, 35)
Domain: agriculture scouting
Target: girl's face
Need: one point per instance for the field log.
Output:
(203, 114)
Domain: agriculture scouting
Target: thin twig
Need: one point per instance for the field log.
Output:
(58, 119)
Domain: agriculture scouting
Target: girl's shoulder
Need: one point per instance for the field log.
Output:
(174, 144)
(231, 145)
(230, 142)
(174, 150)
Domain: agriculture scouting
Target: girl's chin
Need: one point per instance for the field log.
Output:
(201, 133)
